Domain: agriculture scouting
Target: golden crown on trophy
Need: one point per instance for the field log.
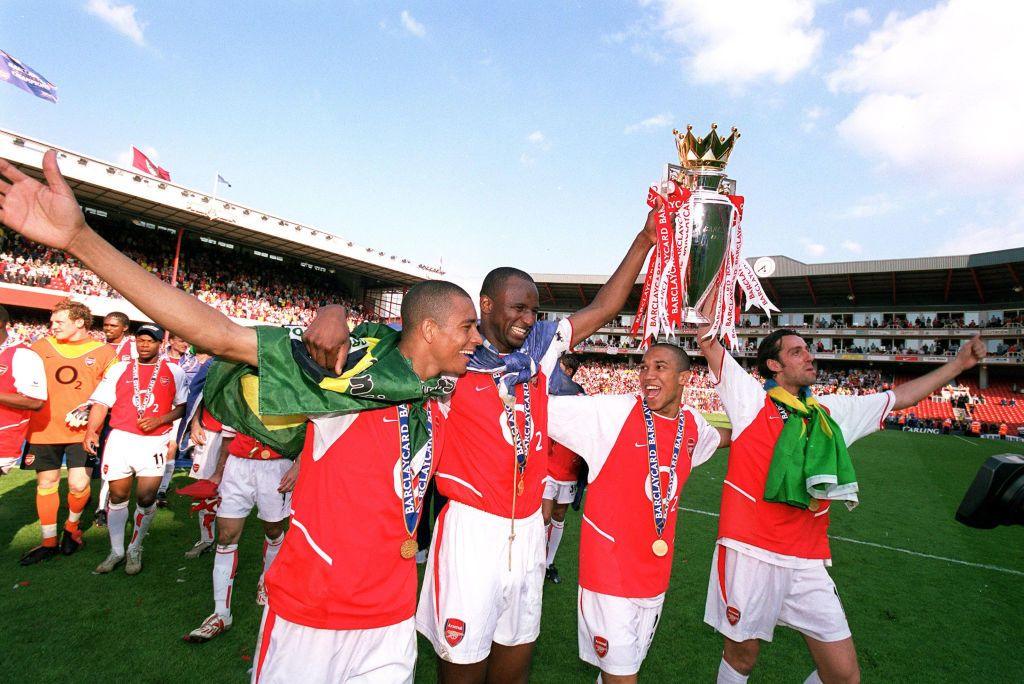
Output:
(709, 152)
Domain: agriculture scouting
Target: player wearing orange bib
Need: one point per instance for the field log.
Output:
(74, 364)
(640, 452)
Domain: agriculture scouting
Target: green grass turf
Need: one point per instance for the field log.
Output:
(914, 619)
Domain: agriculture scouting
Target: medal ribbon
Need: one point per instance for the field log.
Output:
(412, 496)
(136, 396)
(661, 504)
(522, 449)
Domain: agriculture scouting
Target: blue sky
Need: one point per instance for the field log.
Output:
(527, 133)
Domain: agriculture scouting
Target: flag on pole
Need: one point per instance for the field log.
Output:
(221, 179)
(143, 163)
(25, 77)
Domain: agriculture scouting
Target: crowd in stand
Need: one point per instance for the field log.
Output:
(251, 288)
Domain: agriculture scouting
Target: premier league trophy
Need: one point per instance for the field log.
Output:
(697, 255)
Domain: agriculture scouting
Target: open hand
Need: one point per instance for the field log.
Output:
(48, 214)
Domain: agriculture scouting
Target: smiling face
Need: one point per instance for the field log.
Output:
(65, 328)
(662, 380)
(508, 317)
(454, 339)
(794, 365)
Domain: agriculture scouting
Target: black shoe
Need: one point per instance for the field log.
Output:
(100, 519)
(70, 542)
(552, 575)
(161, 499)
(38, 554)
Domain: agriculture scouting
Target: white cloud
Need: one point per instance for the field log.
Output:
(650, 123)
(411, 25)
(859, 16)
(811, 116)
(851, 246)
(815, 249)
(526, 160)
(937, 111)
(538, 139)
(972, 238)
(741, 41)
(868, 207)
(120, 17)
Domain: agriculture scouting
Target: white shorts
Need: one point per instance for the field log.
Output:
(288, 652)
(249, 482)
(615, 633)
(748, 597)
(204, 456)
(470, 598)
(175, 426)
(8, 462)
(559, 491)
(126, 454)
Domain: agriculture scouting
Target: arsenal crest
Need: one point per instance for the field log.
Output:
(106, 468)
(732, 614)
(454, 630)
(691, 444)
(90, 361)
(600, 646)
(30, 459)
(164, 381)
(3, 369)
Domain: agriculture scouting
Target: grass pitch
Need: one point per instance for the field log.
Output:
(952, 614)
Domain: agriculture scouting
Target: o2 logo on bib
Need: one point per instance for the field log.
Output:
(665, 479)
(538, 436)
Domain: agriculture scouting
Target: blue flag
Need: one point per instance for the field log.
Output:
(25, 77)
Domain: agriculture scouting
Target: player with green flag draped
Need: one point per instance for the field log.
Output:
(368, 456)
(788, 462)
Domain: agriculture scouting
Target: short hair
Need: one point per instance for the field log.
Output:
(5, 317)
(495, 281)
(571, 363)
(120, 317)
(682, 358)
(769, 350)
(75, 310)
(429, 299)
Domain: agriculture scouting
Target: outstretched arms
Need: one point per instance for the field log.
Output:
(909, 393)
(612, 296)
(49, 214)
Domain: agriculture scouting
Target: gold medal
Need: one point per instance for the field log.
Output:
(265, 454)
(813, 505)
(409, 548)
(520, 487)
(659, 547)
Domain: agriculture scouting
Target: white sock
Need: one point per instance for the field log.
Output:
(813, 678)
(554, 538)
(143, 517)
(270, 549)
(117, 518)
(727, 675)
(206, 521)
(101, 505)
(168, 474)
(224, 565)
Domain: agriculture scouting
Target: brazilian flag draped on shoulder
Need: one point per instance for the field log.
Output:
(271, 402)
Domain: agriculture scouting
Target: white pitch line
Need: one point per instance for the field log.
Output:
(964, 439)
(956, 561)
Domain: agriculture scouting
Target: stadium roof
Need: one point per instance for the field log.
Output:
(104, 185)
(988, 280)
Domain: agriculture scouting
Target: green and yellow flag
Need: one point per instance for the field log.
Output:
(272, 402)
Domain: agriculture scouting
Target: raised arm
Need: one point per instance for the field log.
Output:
(711, 347)
(909, 393)
(49, 214)
(612, 296)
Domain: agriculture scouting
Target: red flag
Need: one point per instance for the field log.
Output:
(142, 163)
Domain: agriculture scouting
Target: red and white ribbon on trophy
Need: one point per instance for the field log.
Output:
(662, 309)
